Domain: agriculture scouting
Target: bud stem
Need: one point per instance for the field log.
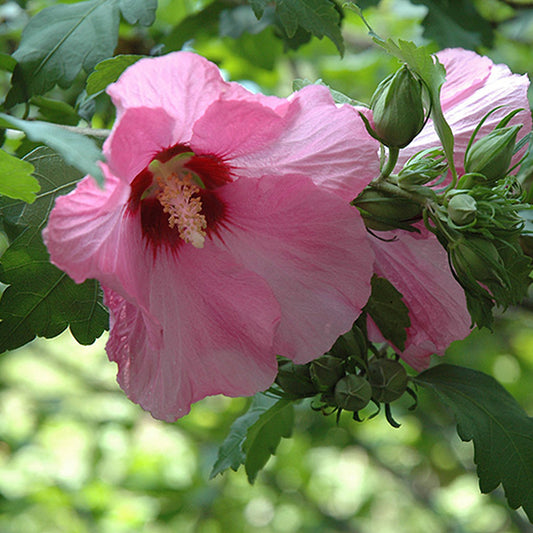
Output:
(389, 166)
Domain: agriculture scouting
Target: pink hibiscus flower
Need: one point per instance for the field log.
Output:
(417, 264)
(213, 242)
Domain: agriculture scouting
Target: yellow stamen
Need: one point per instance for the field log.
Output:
(177, 196)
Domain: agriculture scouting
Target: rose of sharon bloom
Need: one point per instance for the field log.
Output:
(417, 264)
(213, 242)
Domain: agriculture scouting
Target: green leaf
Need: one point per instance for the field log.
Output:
(63, 39)
(16, 180)
(502, 432)
(55, 111)
(320, 17)
(109, 71)
(388, 311)
(264, 436)
(338, 97)
(461, 26)
(231, 453)
(40, 300)
(77, 150)
(7, 62)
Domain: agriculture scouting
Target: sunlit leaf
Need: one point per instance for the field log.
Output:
(77, 150)
(40, 300)
(16, 180)
(109, 71)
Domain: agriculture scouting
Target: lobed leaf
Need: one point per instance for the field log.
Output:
(76, 149)
(41, 300)
(63, 39)
(16, 180)
(108, 71)
(501, 430)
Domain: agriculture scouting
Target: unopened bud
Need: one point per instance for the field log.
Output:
(295, 379)
(384, 212)
(397, 109)
(388, 380)
(352, 393)
(326, 371)
(492, 154)
(462, 209)
(477, 259)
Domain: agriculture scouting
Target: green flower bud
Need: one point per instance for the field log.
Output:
(462, 209)
(397, 109)
(326, 371)
(295, 379)
(388, 379)
(383, 212)
(352, 393)
(477, 259)
(492, 154)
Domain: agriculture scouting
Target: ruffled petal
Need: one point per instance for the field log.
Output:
(311, 248)
(492, 86)
(417, 265)
(206, 329)
(137, 138)
(311, 137)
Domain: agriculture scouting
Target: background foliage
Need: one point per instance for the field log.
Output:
(77, 456)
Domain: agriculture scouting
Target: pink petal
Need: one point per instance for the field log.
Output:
(208, 330)
(417, 265)
(316, 260)
(492, 86)
(135, 140)
(312, 137)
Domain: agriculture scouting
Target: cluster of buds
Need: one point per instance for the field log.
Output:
(345, 379)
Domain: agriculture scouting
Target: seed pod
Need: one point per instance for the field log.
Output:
(388, 379)
(397, 108)
(352, 393)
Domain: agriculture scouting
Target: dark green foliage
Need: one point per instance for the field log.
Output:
(40, 300)
(63, 39)
(501, 430)
(388, 311)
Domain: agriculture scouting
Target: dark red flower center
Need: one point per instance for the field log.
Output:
(176, 195)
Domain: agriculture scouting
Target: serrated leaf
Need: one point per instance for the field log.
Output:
(63, 39)
(231, 453)
(55, 111)
(40, 300)
(388, 311)
(16, 180)
(138, 11)
(264, 436)
(461, 26)
(108, 71)
(501, 430)
(320, 17)
(77, 150)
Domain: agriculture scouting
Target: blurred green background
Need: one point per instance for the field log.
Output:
(77, 456)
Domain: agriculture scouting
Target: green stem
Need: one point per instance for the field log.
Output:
(391, 163)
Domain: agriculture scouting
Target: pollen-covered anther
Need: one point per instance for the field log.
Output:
(177, 195)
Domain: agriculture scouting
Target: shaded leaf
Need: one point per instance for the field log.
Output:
(501, 430)
(109, 71)
(265, 434)
(231, 453)
(461, 26)
(63, 39)
(388, 311)
(40, 299)
(77, 150)
(16, 180)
